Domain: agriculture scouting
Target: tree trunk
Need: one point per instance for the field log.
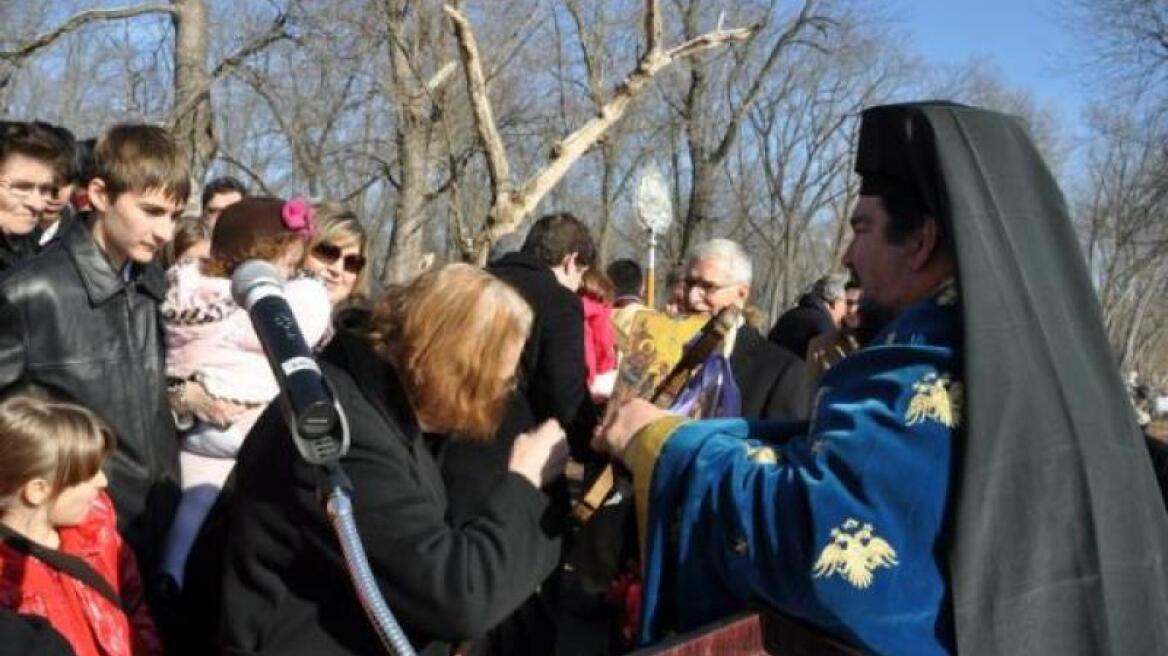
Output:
(404, 257)
(604, 230)
(195, 129)
(701, 200)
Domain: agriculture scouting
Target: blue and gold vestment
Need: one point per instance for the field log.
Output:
(837, 523)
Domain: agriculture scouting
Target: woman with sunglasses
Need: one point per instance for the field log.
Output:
(336, 253)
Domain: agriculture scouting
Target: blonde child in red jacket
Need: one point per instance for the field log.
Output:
(61, 556)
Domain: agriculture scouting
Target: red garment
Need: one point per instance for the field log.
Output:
(92, 624)
(599, 340)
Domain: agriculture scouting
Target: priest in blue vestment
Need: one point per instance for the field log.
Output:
(969, 480)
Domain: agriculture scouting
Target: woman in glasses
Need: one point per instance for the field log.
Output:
(336, 253)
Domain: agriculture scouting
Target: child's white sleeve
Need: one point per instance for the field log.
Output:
(310, 305)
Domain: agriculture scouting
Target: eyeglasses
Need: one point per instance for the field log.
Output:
(706, 286)
(330, 253)
(25, 188)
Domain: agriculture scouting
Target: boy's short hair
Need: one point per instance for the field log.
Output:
(223, 185)
(35, 141)
(626, 276)
(555, 236)
(138, 157)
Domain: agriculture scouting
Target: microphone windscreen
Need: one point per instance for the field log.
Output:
(250, 275)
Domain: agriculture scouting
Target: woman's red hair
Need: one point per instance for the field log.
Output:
(454, 333)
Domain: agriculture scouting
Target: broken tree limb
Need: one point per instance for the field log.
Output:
(512, 203)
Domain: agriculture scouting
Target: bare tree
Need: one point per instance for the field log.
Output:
(1121, 212)
(16, 56)
(1124, 198)
(1125, 44)
(800, 158)
(512, 202)
(191, 116)
(709, 141)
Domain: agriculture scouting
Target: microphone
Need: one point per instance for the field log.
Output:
(309, 406)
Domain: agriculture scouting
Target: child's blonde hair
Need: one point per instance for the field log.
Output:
(63, 443)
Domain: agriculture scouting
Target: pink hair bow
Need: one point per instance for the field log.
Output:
(297, 215)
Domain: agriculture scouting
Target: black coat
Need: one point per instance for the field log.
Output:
(773, 382)
(30, 634)
(801, 324)
(70, 323)
(285, 588)
(553, 376)
(15, 249)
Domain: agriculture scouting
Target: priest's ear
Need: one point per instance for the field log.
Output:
(925, 243)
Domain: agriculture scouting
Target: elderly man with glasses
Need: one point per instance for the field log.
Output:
(772, 383)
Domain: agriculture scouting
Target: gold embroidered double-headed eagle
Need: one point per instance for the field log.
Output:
(935, 397)
(854, 553)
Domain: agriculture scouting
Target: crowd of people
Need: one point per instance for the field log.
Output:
(918, 457)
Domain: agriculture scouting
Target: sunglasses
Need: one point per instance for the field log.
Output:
(330, 253)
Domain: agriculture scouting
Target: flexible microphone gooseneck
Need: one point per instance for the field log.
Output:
(319, 429)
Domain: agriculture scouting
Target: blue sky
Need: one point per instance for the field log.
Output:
(1022, 38)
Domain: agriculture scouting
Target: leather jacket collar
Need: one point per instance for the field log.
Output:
(100, 280)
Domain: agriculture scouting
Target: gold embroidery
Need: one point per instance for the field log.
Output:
(740, 547)
(854, 552)
(937, 398)
(763, 455)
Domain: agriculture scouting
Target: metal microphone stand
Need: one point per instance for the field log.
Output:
(335, 490)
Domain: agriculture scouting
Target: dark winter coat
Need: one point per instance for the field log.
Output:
(14, 249)
(773, 382)
(70, 323)
(553, 376)
(801, 324)
(285, 588)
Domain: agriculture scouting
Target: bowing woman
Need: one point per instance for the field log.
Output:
(434, 357)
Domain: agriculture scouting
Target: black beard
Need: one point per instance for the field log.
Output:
(874, 317)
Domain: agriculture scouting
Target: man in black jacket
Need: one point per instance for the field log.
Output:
(772, 381)
(552, 373)
(820, 311)
(81, 318)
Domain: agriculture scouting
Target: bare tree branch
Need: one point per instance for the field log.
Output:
(274, 33)
(439, 78)
(804, 20)
(256, 178)
(510, 206)
(654, 27)
(497, 165)
(77, 21)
